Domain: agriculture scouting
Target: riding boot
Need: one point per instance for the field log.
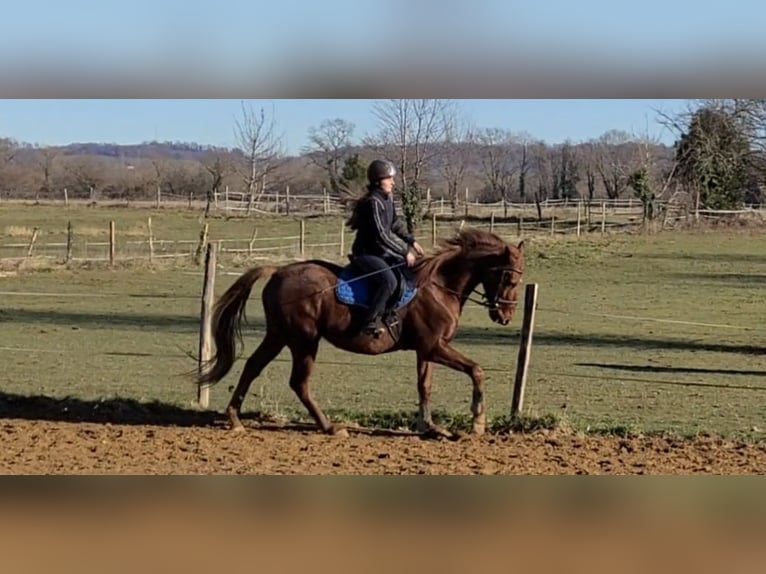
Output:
(374, 323)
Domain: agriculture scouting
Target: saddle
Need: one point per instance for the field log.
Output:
(354, 290)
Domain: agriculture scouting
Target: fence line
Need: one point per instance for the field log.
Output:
(294, 245)
(285, 203)
(653, 381)
(649, 319)
(302, 245)
(522, 364)
(238, 272)
(543, 372)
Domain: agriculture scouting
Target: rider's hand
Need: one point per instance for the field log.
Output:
(418, 248)
(410, 259)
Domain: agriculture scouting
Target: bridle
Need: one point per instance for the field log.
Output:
(484, 301)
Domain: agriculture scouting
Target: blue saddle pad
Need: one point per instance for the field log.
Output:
(353, 291)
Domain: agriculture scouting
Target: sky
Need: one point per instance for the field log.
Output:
(211, 122)
(350, 48)
(232, 32)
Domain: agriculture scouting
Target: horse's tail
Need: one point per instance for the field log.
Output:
(228, 314)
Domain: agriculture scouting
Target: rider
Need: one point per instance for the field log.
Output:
(382, 240)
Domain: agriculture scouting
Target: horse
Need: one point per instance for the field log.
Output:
(307, 301)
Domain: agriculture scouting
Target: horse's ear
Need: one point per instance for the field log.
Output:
(520, 246)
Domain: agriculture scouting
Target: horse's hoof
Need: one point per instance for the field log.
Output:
(433, 431)
(338, 431)
(237, 428)
(479, 426)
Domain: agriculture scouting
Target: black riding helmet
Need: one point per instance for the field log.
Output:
(380, 169)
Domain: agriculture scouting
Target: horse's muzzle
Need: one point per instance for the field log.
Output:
(494, 314)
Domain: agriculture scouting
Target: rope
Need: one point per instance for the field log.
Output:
(648, 319)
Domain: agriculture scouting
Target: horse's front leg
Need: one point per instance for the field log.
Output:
(425, 421)
(446, 355)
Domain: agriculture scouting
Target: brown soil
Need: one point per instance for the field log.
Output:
(66, 447)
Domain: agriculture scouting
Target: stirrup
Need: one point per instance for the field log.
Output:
(391, 319)
(374, 328)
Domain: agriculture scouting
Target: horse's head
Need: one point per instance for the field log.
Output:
(500, 276)
(476, 257)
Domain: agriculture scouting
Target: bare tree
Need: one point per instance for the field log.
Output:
(541, 161)
(615, 161)
(218, 165)
(456, 152)
(649, 181)
(588, 158)
(497, 161)
(566, 170)
(45, 162)
(525, 163)
(329, 149)
(261, 146)
(161, 173)
(187, 178)
(8, 149)
(409, 128)
(86, 174)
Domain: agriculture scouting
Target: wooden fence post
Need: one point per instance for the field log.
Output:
(525, 349)
(31, 247)
(251, 244)
(151, 239)
(201, 245)
(206, 330)
(287, 200)
(69, 241)
(466, 203)
(111, 242)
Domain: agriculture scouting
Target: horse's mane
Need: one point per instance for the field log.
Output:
(470, 242)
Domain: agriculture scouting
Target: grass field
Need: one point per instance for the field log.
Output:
(128, 332)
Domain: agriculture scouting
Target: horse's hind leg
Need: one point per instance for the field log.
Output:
(266, 352)
(304, 358)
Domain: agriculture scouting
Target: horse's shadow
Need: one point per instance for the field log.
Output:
(130, 412)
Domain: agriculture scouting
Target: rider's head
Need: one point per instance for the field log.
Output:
(380, 173)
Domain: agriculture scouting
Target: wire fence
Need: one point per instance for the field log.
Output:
(465, 204)
(709, 328)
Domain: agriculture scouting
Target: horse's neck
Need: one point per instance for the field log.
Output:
(457, 275)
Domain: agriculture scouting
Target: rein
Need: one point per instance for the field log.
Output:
(484, 301)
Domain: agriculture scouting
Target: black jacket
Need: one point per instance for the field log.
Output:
(380, 231)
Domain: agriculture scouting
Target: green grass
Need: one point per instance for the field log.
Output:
(132, 336)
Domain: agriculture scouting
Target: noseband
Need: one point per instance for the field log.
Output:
(484, 301)
(497, 300)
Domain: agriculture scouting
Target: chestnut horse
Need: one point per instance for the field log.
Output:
(310, 300)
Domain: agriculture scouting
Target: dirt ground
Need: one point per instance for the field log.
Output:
(65, 447)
